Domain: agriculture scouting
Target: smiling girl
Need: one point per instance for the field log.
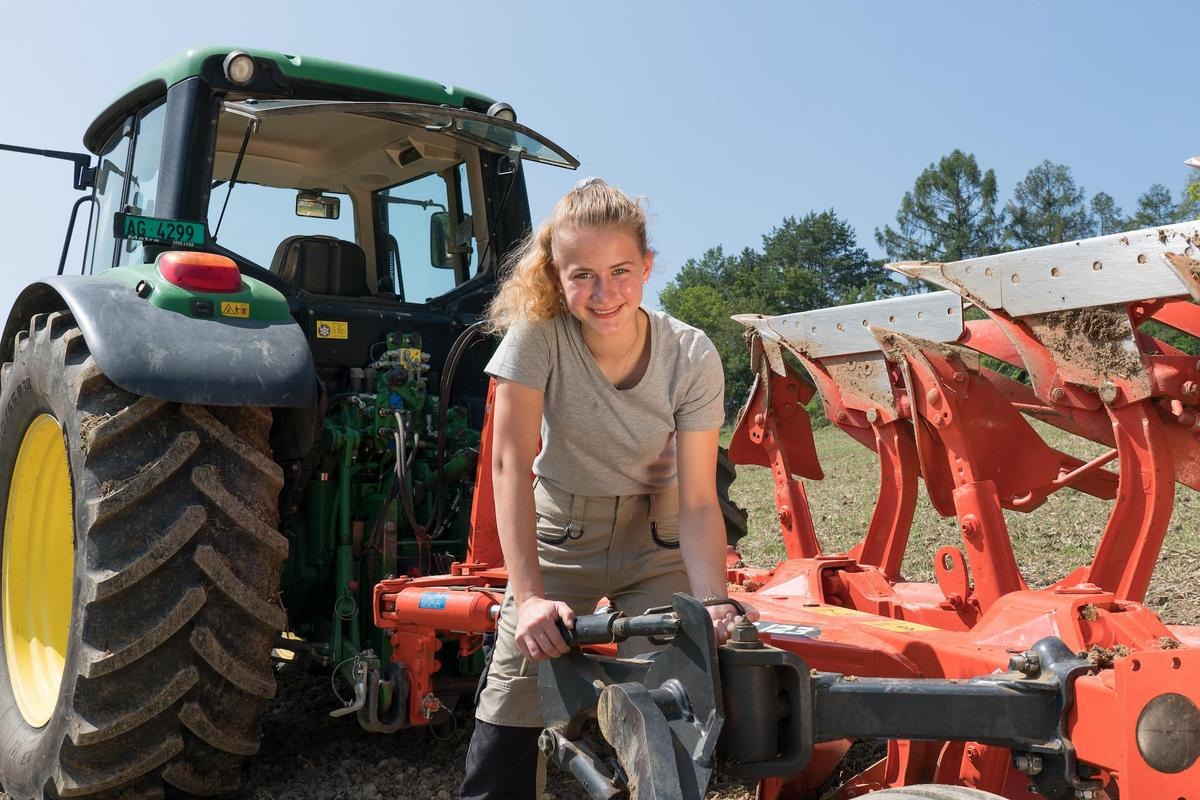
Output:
(626, 404)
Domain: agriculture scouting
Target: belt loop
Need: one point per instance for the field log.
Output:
(577, 505)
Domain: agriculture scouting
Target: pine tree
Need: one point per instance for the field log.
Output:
(949, 215)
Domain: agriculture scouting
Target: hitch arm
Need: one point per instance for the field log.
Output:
(670, 716)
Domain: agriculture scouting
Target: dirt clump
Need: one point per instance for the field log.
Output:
(891, 348)
(89, 424)
(1095, 338)
(1089, 613)
(1104, 657)
(1183, 263)
(1167, 643)
(1096, 324)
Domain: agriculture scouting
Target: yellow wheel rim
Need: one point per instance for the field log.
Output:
(38, 569)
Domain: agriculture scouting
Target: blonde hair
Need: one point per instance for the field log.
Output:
(530, 290)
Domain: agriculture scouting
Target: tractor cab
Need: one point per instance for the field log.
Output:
(402, 198)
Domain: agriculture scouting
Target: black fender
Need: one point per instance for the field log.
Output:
(162, 354)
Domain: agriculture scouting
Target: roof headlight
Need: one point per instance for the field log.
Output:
(502, 111)
(239, 68)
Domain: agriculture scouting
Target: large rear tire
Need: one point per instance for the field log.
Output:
(156, 667)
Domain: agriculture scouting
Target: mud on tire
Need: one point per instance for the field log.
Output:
(176, 568)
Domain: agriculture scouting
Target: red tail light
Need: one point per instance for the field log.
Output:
(200, 272)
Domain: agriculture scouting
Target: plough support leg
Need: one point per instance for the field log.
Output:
(1134, 533)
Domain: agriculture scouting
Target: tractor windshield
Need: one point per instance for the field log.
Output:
(490, 133)
(259, 217)
(381, 190)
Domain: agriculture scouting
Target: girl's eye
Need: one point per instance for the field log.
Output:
(620, 271)
(581, 276)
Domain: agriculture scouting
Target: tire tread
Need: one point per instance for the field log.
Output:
(179, 563)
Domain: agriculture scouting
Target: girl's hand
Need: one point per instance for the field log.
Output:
(537, 632)
(725, 618)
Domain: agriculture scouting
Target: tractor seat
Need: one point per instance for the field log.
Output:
(322, 265)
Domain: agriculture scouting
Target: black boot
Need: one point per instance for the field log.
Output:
(502, 763)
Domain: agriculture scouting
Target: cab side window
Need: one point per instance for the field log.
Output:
(127, 180)
(432, 212)
(142, 189)
(110, 193)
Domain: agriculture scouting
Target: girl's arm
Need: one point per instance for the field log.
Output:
(516, 430)
(702, 527)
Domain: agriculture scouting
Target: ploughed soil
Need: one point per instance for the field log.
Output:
(308, 755)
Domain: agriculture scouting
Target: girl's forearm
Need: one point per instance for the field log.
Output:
(702, 545)
(516, 522)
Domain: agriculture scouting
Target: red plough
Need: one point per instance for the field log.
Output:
(977, 682)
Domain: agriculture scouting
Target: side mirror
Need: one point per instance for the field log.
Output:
(317, 205)
(439, 240)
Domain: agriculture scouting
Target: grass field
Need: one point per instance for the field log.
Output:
(1048, 542)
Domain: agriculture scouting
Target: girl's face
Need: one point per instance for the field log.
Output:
(601, 271)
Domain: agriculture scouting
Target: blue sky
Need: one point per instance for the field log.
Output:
(727, 117)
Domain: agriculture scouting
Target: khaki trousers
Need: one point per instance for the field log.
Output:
(622, 548)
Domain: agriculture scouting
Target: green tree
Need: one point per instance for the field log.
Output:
(1047, 207)
(1107, 214)
(949, 215)
(1155, 207)
(1189, 204)
(816, 261)
(807, 262)
(700, 294)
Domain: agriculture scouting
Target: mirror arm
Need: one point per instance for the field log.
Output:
(85, 174)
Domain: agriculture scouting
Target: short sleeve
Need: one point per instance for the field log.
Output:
(703, 406)
(523, 356)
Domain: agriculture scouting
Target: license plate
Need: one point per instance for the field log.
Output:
(175, 232)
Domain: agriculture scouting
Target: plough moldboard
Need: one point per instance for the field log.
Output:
(975, 680)
(978, 684)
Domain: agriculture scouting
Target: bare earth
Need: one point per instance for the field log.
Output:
(308, 755)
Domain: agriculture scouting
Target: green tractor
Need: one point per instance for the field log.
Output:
(263, 395)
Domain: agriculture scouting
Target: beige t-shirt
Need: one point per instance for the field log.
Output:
(600, 440)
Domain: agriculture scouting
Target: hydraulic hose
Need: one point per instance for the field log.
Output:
(465, 339)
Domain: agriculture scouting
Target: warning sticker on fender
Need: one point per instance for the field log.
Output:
(332, 329)
(231, 309)
(784, 629)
